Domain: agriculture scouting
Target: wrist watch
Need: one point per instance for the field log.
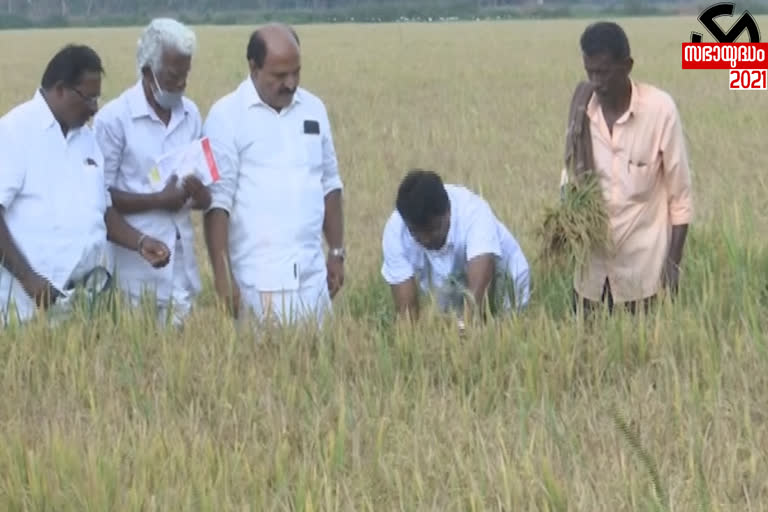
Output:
(338, 253)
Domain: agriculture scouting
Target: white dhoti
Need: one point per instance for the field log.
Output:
(182, 294)
(310, 302)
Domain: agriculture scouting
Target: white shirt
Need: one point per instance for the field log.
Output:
(274, 179)
(53, 191)
(474, 231)
(131, 136)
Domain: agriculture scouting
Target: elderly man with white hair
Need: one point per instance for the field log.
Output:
(150, 119)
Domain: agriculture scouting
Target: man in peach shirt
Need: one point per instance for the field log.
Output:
(640, 159)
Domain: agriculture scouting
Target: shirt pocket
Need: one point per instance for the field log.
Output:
(93, 180)
(640, 178)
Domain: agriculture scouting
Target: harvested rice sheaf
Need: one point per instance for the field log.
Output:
(572, 228)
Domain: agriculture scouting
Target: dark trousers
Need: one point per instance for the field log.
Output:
(590, 306)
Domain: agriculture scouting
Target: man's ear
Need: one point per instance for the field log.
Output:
(630, 64)
(59, 87)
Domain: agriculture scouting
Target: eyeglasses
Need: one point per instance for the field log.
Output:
(90, 100)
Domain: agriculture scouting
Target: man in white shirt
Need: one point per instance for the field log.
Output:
(279, 190)
(55, 212)
(146, 121)
(446, 239)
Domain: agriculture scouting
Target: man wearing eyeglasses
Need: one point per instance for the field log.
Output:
(149, 119)
(55, 213)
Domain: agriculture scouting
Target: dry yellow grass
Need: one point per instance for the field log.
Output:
(536, 413)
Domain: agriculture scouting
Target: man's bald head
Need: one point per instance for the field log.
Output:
(274, 59)
(271, 37)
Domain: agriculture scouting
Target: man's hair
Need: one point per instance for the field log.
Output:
(257, 47)
(421, 197)
(605, 37)
(69, 65)
(161, 34)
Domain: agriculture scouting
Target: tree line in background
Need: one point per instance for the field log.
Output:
(52, 13)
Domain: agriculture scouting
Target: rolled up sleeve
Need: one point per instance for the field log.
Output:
(396, 268)
(482, 232)
(677, 172)
(218, 129)
(12, 169)
(483, 238)
(331, 178)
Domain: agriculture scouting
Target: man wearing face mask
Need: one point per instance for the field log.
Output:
(146, 121)
(279, 190)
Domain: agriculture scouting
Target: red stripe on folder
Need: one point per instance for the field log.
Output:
(209, 158)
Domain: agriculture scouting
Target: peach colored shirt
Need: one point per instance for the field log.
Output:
(646, 181)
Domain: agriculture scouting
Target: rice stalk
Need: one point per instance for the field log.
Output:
(650, 465)
(578, 224)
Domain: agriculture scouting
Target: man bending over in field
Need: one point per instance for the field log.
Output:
(446, 239)
(630, 134)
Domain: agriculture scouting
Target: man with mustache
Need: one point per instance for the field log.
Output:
(629, 134)
(279, 190)
(55, 212)
(148, 120)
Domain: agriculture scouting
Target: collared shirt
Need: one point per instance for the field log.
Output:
(645, 177)
(276, 169)
(131, 136)
(53, 192)
(474, 230)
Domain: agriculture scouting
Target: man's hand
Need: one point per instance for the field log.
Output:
(335, 266)
(228, 291)
(671, 276)
(671, 272)
(40, 290)
(173, 197)
(333, 229)
(216, 230)
(154, 251)
(480, 270)
(406, 298)
(199, 193)
(192, 185)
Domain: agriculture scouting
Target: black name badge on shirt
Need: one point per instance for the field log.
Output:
(311, 127)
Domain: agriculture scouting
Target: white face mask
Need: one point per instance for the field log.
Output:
(165, 99)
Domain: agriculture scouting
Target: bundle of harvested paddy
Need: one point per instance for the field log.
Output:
(578, 224)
